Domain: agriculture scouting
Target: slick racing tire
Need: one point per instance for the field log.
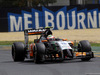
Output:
(39, 53)
(18, 52)
(84, 46)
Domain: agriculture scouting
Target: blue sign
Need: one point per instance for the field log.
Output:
(59, 20)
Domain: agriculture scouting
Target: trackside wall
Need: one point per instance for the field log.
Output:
(59, 17)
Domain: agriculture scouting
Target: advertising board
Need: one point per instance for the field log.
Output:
(60, 18)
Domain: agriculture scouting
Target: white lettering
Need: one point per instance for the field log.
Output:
(47, 20)
(15, 24)
(37, 20)
(61, 13)
(93, 20)
(26, 21)
(81, 21)
(73, 20)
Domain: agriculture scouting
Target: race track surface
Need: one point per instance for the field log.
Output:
(28, 67)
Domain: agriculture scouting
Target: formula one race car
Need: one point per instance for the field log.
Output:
(47, 47)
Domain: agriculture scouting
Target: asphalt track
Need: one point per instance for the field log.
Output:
(28, 67)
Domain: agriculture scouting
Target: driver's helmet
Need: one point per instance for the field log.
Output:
(47, 32)
(51, 38)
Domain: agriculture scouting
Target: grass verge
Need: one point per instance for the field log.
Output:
(11, 42)
(8, 42)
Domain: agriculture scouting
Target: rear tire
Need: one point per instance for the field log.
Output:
(84, 46)
(18, 52)
(39, 53)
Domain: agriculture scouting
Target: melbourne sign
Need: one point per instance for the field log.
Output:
(59, 20)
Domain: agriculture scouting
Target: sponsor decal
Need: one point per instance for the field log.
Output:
(64, 45)
(59, 20)
(36, 30)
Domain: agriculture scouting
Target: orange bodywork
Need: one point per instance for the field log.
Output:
(44, 40)
(64, 39)
(57, 55)
(33, 33)
(72, 42)
(80, 53)
(31, 50)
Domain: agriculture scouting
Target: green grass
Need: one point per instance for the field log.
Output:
(8, 42)
(11, 42)
(95, 44)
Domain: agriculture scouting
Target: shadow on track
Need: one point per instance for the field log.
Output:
(31, 62)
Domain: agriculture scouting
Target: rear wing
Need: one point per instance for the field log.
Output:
(36, 31)
(28, 32)
(32, 32)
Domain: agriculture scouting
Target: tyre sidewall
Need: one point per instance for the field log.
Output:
(39, 53)
(84, 46)
(18, 52)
